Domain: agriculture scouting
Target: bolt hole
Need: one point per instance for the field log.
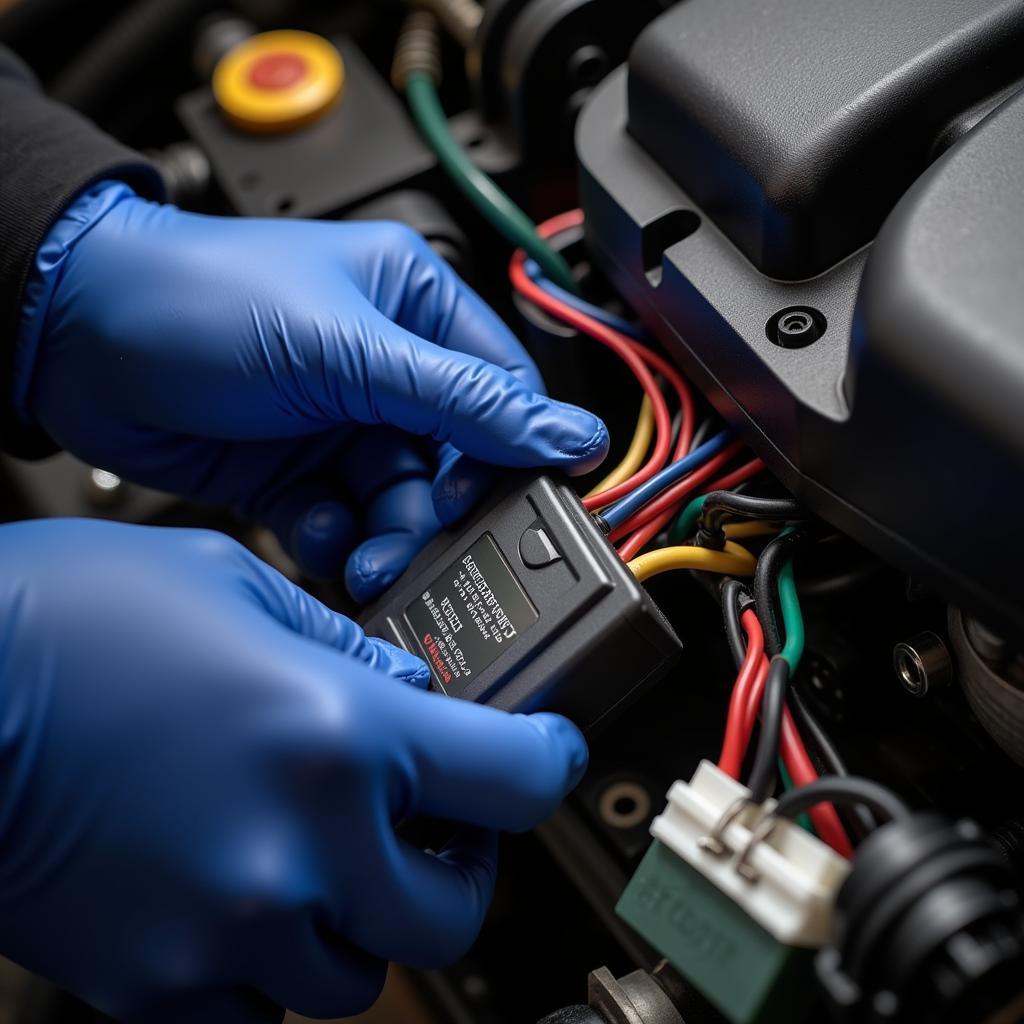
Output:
(796, 327)
(624, 805)
(283, 204)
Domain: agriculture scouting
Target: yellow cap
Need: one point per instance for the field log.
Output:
(276, 81)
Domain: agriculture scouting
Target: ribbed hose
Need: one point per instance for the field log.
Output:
(461, 18)
(418, 49)
(128, 45)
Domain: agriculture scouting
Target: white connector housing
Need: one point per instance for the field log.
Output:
(797, 875)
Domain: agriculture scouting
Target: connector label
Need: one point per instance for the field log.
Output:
(470, 614)
(738, 966)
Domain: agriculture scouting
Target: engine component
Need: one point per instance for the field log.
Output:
(734, 898)
(529, 607)
(986, 669)
(637, 998)
(532, 63)
(360, 148)
(922, 663)
(785, 158)
(928, 927)
(278, 81)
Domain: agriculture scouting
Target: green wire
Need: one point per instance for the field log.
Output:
(793, 649)
(792, 618)
(488, 198)
(686, 524)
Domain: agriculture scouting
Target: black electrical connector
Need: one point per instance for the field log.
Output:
(929, 928)
(528, 607)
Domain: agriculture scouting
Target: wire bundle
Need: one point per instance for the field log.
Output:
(679, 481)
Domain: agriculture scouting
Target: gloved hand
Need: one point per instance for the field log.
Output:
(288, 369)
(200, 767)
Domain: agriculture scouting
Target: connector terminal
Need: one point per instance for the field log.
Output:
(734, 898)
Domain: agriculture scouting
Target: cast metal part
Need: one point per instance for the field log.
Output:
(922, 663)
(636, 998)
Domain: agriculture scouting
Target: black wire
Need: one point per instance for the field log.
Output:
(732, 594)
(703, 433)
(766, 584)
(847, 790)
(762, 774)
(857, 820)
(719, 505)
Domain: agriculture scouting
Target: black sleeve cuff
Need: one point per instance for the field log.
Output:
(48, 155)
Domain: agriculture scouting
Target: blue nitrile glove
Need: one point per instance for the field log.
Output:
(200, 767)
(301, 372)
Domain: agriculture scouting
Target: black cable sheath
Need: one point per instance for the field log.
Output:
(719, 505)
(763, 772)
(766, 584)
(835, 790)
(857, 820)
(732, 593)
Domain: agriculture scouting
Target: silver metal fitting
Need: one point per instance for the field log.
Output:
(922, 663)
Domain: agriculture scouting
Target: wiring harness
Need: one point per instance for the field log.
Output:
(677, 481)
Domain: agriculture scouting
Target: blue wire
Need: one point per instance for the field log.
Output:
(535, 274)
(618, 513)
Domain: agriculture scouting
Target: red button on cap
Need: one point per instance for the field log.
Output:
(275, 71)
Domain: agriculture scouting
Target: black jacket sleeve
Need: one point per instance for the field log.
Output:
(48, 155)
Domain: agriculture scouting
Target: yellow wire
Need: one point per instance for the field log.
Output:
(734, 561)
(751, 528)
(637, 450)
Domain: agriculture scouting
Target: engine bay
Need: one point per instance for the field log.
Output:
(776, 248)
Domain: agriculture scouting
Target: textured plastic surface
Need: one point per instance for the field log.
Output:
(735, 963)
(799, 123)
(593, 641)
(912, 398)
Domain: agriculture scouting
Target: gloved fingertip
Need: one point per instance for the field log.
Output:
(401, 664)
(378, 562)
(321, 537)
(570, 742)
(584, 445)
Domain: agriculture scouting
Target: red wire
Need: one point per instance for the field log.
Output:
(794, 755)
(603, 333)
(737, 476)
(652, 528)
(623, 348)
(734, 745)
(674, 495)
(801, 770)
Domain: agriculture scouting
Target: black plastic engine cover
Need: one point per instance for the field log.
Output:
(904, 423)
